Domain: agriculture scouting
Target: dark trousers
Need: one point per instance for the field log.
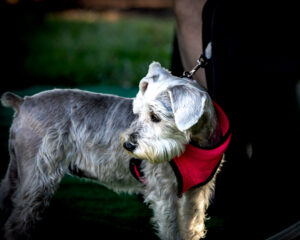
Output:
(253, 75)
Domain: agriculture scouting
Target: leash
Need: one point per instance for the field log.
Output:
(202, 62)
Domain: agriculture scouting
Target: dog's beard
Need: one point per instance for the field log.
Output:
(157, 151)
(156, 143)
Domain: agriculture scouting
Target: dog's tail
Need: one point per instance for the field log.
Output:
(9, 99)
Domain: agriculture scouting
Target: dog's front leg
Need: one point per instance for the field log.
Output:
(192, 211)
(164, 214)
(161, 195)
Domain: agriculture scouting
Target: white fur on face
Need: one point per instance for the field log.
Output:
(176, 102)
(157, 141)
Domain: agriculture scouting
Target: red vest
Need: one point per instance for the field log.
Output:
(196, 166)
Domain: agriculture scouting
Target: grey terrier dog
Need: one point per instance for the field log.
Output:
(102, 137)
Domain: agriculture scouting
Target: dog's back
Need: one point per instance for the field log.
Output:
(49, 108)
(54, 131)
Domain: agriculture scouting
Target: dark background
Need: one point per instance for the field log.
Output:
(106, 46)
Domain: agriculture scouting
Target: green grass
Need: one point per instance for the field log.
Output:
(98, 52)
(82, 209)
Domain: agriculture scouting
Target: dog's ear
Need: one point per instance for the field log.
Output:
(143, 86)
(154, 72)
(188, 105)
(155, 68)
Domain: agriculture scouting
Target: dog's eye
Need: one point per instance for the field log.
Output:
(154, 117)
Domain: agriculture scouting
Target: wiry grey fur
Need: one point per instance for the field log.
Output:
(72, 131)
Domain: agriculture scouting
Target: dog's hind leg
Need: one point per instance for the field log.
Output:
(40, 173)
(8, 186)
(30, 199)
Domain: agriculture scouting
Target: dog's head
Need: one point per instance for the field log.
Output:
(167, 108)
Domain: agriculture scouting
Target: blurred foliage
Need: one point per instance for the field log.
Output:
(76, 52)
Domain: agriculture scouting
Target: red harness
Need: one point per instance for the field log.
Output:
(196, 166)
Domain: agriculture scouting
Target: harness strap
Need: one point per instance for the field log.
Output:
(136, 169)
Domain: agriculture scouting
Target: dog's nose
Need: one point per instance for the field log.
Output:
(129, 146)
(133, 138)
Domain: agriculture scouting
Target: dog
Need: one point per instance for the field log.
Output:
(99, 136)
